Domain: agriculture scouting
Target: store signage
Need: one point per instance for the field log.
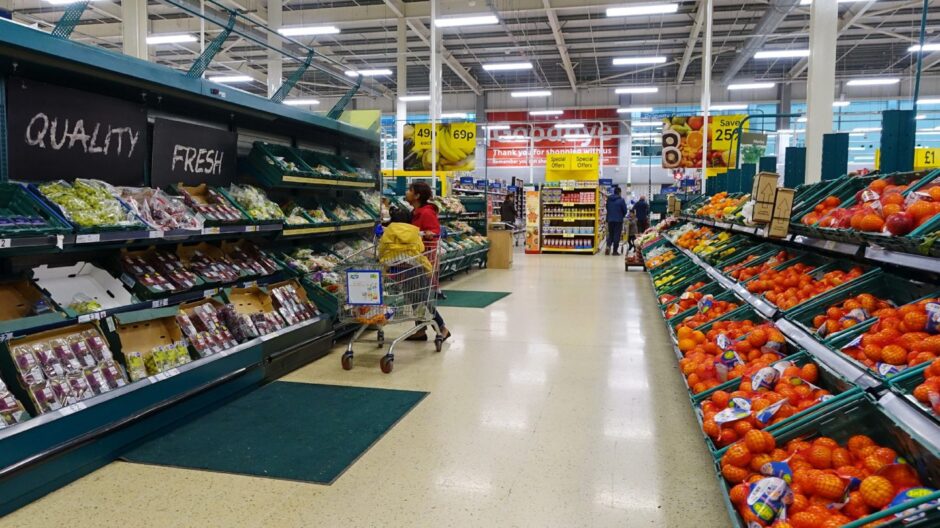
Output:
(683, 143)
(466, 180)
(585, 162)
(481, 184)
(530, 140)
(512, 188)
(605, 181)
(59, 133)
(192, 154)
(558, 162)
(926, 158)
(456, 146)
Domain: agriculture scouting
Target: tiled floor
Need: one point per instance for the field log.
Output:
(558, 406)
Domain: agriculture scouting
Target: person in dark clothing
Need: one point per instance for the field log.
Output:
(507, 211)
(642, 210)
(631, 232)
(616, 210)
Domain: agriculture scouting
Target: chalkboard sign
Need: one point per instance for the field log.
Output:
(58, 133)
(192, 154)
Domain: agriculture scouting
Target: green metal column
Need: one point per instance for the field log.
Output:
(835, 159)
(767, 164)
(897, 141)
(70, 18)
(746, 180)
(794, 168)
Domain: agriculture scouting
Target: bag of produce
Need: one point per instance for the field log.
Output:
(159, 209)
(255, 202)
(88, 203)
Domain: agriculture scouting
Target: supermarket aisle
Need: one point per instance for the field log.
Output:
(559, 405)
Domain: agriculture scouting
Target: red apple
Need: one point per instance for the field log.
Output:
(900, 224)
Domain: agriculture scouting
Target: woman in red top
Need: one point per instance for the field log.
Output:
(424, 217)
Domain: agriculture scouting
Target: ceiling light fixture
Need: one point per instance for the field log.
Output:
(170, 39)
(546, 112)
(654, 9)
(646, 123)
(635, 110)
(64, 2)
(301, 102)
(569, 125)
(506, 66)
(933, 46)
(867, 129)
(230, 79)
(729, 106)
(303, 31)
(512, 138)
(751, 86)
(782, 54)
(635, 61)
(637, 90)
(532, 93)
(928, 101)
(645, 135)
(577, 136)
(454, 115)
(785, 131)
(411, 98)
(840, 103)
(808, 2)
(496, 127)
(873, 82)
(368, 73)
(478, 20)
(920, 116)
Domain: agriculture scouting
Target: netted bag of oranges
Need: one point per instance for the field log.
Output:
(706, 363)
(928, 392)
(901, 338)
(850, 312)
(709, 308)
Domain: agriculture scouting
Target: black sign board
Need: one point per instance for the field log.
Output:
(192, 154)
(60, 133)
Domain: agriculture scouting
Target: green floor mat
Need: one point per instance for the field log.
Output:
(294, 431)
(470, 299)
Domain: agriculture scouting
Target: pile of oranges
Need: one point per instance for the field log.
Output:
(928, 392)
(719, 205)
(743, 273)
(848, 313)
(830, 484)
(902, 337)
(822, 209)
(791, 286)
(794, 384)
(659, 260)
(716, 310)
(703, 357)
(691, 238)
(738, 265)
(882, 208)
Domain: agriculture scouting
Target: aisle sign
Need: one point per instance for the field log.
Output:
(605, 182)
(57, 133)
(558, 162)
(192, 154)
(585, 162)
(466, 180)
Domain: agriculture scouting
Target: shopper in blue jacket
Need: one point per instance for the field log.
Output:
(616, 211)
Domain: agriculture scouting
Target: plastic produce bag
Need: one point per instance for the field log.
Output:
(255, 202)
(88, 203)
(159, 209)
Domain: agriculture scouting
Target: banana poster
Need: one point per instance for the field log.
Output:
(683, 142)
(456, 146)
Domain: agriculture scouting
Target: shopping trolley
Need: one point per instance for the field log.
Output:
(389, 289)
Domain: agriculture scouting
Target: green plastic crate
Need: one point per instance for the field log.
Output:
(17, 201)
(883, 285)
(277, 164)
(761, 251)
(905, 383)
(728, 295)
(678, 288)
(711, 288)
(861, 414)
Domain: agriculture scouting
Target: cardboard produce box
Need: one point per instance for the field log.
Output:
(150, 346)
(23, 305)
(779, 226)
(763, 193)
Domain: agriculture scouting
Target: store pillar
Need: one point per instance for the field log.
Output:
(275, 65)
(821, 82)
(401, 77)
(134, 28)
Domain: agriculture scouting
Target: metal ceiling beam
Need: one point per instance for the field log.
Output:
(850, 18)
(884, 32)
(448, 58)
(777, 10)
(693, 38)
(560, 41)
(929, 61)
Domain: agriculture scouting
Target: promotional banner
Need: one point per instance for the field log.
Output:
(58, 133)
(192, 154)
(683, 142)
(532, 222)
(456, 146)
(511, 148)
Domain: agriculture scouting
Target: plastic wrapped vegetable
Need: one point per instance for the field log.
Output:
(159, 209)
(255, 202)
(88, 203)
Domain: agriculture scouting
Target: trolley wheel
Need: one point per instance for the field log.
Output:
(387, 363)
(347, 361)
(438, 343)
(380, 337)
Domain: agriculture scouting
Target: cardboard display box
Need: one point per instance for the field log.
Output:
(250, 300)
(779, 226)
(66, 282)
(18, 302)
(763, 193)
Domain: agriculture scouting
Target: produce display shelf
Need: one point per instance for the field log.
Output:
(562, 250)
(865, 250)
(308, 181)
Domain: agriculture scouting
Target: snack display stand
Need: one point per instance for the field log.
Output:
(697, 259)
(137, 294)
(569, 217)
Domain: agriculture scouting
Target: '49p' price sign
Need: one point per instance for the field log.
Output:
(461, 135)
